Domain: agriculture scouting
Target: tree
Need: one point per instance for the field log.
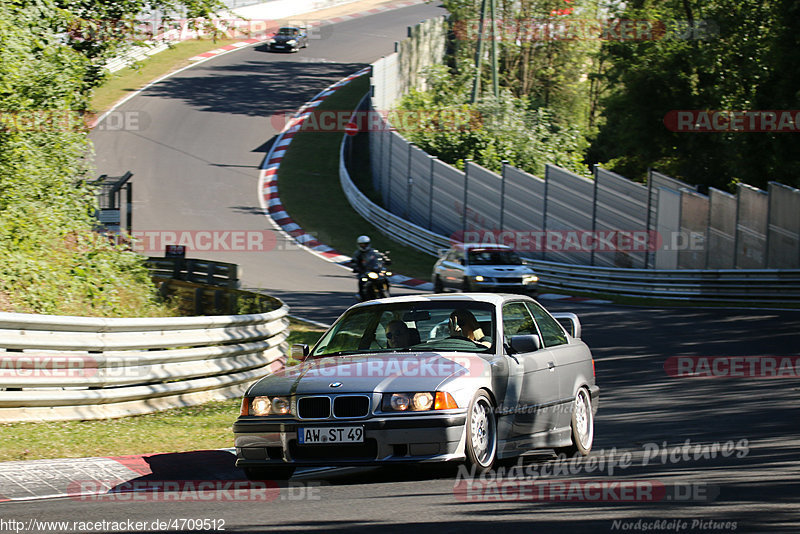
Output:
(50, 259)
(729, 55)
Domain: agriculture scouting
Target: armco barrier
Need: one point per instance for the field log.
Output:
(723, 285)
(62, 368)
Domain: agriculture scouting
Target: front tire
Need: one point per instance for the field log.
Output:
(278, 472)
(582, 426)
(481, 448)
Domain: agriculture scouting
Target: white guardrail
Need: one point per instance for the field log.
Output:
(723, 285)
(62, 368)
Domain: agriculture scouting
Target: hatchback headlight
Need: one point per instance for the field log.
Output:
(417, 402)
(269, 406)
(529, 279)
(291, 41)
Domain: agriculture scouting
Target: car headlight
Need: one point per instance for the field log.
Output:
(291, 41)
(417, 402)
(270, 41)
(269, 406)
(478, 278)
(529, 279)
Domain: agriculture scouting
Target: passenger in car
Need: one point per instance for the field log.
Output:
(397, 334)
(463, 324)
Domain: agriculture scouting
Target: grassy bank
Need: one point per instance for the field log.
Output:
(122, 83)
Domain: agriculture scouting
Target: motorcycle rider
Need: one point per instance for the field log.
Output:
(363, 258)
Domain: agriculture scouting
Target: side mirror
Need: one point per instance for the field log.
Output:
(299, 351)
(525, 343)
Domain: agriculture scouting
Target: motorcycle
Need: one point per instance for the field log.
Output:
(374, 282)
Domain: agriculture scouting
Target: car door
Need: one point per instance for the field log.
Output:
(538, 391)
(568, 360)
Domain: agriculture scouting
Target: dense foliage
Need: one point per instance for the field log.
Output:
(743, 55)
(488, 132)
(51, 261)
(588, 82)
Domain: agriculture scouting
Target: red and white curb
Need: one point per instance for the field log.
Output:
(327, 22)
(270, 200)
(229, 48)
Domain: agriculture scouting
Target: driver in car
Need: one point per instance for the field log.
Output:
(397, 335)
(463, 324)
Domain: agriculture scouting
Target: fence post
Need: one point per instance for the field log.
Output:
(464, 208)
(544, 209)
(594, 214)
(430, 194)
(503, 193)
(649, 214)
(409, 182)
(736, 229)
(389, 173)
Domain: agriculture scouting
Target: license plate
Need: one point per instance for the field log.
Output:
(330, 435)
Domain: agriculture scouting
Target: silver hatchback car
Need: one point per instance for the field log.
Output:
(473, 267)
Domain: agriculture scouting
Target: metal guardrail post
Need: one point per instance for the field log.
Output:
(502, 193)
(430, 192)
(464, 208)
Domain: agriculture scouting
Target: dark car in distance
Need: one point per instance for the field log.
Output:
(291, 38)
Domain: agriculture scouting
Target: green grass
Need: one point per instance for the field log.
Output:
(207, 426)
(123, 82)
(308, 184)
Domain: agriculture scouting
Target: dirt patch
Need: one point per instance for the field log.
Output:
(5, 302)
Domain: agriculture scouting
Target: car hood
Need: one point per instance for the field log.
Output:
(396, 372)
(284, 38)
(499, 270)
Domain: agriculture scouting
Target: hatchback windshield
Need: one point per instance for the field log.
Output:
(479, 256)
(463, 326)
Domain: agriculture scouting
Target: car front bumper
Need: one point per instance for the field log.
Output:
(501, 287)
(395, 439)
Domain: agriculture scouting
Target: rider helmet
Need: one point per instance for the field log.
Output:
(363, 242)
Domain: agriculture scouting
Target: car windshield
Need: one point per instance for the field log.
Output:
(287, 31)
(481, 256)
(463, 326)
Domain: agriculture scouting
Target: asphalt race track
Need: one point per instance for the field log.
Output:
(671, 454)
(201, 135)
(749, 484)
